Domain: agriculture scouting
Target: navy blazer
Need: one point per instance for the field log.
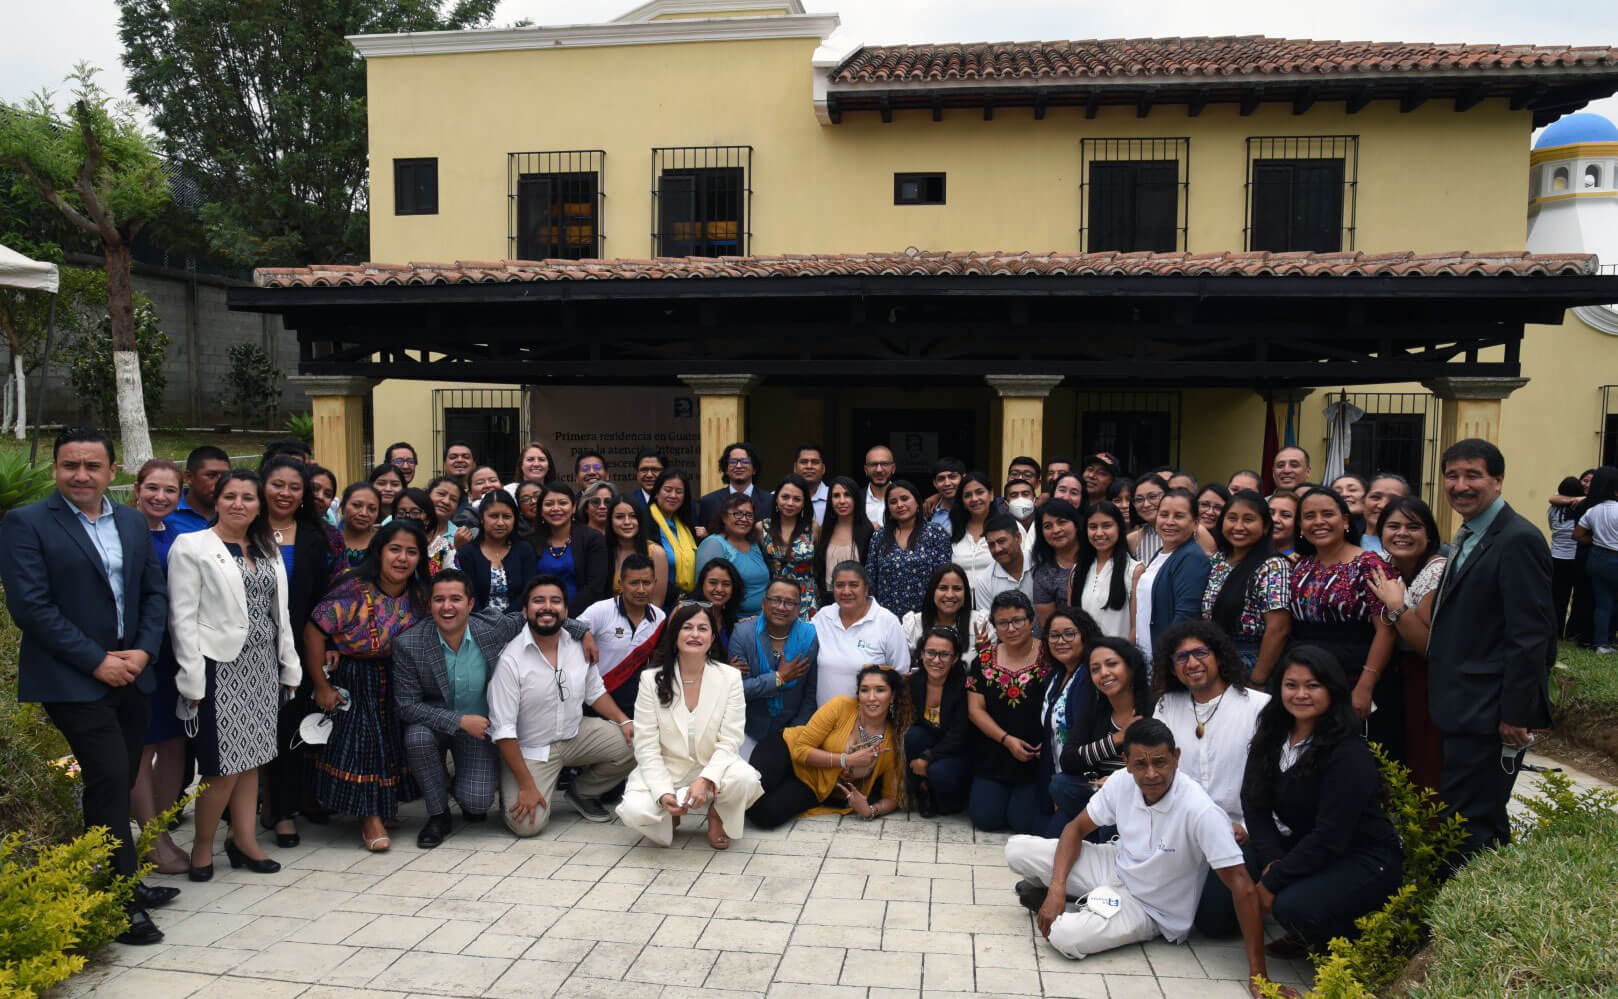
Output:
(520, 562)
(763, 505)
(1177, 590)
(58, 593)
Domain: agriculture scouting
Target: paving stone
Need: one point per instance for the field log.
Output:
(1013, 981)
(680, 931)
(737, 886)
(1074, 985)
(745, 935)
(672, 966)
(451, 974)
(993, 950)
(618, 927)
(402, 932)
(842, 912)
(527, 979)
(948, 972)
(607, 988)
(608, 960)
(202, 960)
(492, 944)
(888, 969)
(744, 972)
(898, 888)
(150, 983)
(295, 962)
(1201, 988)
(1132, 987)
(814, 965)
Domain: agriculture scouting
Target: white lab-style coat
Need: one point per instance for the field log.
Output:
(208, 611)
(675, 746)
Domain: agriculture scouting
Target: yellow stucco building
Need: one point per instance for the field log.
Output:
(701, 128)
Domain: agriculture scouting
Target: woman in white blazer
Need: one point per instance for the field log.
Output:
(232, 637)
(688, 737)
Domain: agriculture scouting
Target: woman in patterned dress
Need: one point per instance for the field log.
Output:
(1005, 697)
(904, 551)
(790, 536)
(1332, 608)
(445, 494)
(361, 769)
(1249, 588)
(228, 598)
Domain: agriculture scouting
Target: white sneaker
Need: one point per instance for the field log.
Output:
(1606, 650)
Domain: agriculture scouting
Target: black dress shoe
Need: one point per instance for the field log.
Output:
(240, 859)
(433, 833)
(142, 930)
(200, 873)
(925, 802)
(154, 896)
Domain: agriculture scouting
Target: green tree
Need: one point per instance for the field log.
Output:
(89, 368)
(263, 104)
(96, 167)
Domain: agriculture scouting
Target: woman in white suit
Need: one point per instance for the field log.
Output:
(232, 638)
(688, 737)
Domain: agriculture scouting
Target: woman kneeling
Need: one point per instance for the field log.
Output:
(689, 736)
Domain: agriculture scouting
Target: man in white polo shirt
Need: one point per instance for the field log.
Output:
(626, 630)
(1149, 880)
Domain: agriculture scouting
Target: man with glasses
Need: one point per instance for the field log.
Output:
(626, 628)
(810, 464)
(403, 457)
(589, 468)
(649, 464)
(537, 696)
(879, 468)
(738, 463)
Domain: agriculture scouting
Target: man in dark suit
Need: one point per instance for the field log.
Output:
(1492, 645)
(738, 463)
(440, 669)
(85, 587)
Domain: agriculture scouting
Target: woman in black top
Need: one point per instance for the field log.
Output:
(937, 767)
(1093, 748)
(1005, 699)
(499, 564)
(1312, 773)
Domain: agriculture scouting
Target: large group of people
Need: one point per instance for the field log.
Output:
(1150, 682)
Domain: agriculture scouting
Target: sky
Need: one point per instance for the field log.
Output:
(41, 42)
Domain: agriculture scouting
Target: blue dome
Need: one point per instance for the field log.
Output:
(1577, 128)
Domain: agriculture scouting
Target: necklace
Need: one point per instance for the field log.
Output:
(556, 552)
(778, 638)
(1201, 721)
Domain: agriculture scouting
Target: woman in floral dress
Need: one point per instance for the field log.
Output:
(1005, 697)
(789, 542)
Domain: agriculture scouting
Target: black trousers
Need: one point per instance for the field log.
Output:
(1325, 904)
(785, 796)
(1564, 577)
(106, 736)
(1476, 786)
(1581, 613)
(287, 784)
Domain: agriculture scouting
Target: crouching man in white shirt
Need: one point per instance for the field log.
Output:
(1148, 882)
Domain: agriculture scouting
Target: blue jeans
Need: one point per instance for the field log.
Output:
(948, 777)
(1603, 569)
(994, 805)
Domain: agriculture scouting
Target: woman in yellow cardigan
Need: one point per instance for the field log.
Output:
(836, 761)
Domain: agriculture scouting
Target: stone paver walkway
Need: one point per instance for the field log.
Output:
(897, 909)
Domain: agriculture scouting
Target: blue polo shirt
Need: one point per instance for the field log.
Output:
(184, 519)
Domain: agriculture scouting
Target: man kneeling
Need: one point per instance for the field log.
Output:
(1148, 882)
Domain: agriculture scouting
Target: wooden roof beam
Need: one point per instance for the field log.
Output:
(1199, 100)
(938, 107)
(1143, 106)
(1250, 101)
(1471, 97)
(1305, 100)
(1414, 98)
(1360, 99)
(1041, 99)
(885, 106)
(1525, 96)
(1092, 103)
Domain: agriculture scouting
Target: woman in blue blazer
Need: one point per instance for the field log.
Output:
(1171, 585)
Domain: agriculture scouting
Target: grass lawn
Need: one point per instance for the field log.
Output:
(243, 447)
(1595, 678)
(1584, 692)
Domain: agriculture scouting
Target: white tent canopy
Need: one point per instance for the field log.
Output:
(18, 271)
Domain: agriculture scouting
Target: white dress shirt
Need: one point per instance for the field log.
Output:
(1218, 759)
(1096, 589)
(877, 637)
(526, 702)
(876, 507)
(818, 500)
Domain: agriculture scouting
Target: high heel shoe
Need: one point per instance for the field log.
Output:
(200, 873)
(240, 859)
(285, 841)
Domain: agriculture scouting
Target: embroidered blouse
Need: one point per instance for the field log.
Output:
(1016, 702)
(1268, 589)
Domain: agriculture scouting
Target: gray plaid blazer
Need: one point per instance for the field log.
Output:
(420, 679)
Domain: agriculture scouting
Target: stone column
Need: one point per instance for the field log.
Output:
(1471, 408)
(338, 405)
(721, 402)
(1022, 413)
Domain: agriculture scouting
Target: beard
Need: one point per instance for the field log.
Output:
(550, 626)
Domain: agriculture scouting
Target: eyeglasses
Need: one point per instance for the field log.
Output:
(695, 603)
(528, 500)
(742, 513)
(593, 467)
(1201, 654)
(598, 501)
(782, 602)
(1065, 637)
(561, 684)
(1016, 622)
(937, 655)
(402, 462)
(734, 462)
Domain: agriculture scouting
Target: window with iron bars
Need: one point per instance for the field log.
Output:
(1398, 433)
(1302, 192)
(1607, 431)
(1140, 429)
(554, 204)
(1134, 194)
(701, 200)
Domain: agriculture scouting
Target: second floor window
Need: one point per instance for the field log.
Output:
(555, 204)
(1301, 193)
(1134, 194)
(415, 186)
(701, 201)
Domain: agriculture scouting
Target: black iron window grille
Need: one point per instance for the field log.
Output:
(701, 200)
(1141, 429)
(918, 189)
(1607, 431)
(493, 421)
(1396, 432)
(554, 204)
(1302, 192)
(1134, 194)
(415, 186)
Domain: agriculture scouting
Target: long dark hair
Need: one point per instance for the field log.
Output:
(1416, 508)
(1229, 661)
(1302, 545)
(683, 514)
(929, 606)
(308, 510)
(890, 526)
(1569, 486)
(738, 589)
(1603, 487)
(1275, 724)
(259, 536)
(1044, 554)
(861, 527)
(645, 530)
(806, 517)
(370, 568)
(666, 659)
(1118, 592)
(899, 714)
(492, 499)
(1140, 680)
(1089, 632)
(1227, 608)
(958, 515)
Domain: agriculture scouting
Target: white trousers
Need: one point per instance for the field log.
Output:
(1079, 932)
(738, 788)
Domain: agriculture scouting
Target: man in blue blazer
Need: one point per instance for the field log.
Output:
(85, 587)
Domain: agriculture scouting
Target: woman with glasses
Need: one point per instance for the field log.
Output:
(948, 604)
(1200, 697)
(670, 510)
(789, 541)
(1144, 543)
(845, 534)
(720, 586)
(630, 532)
(527, 495)
(498, 564)
(904, 550)
(733, 536)
(777, 653)
(1249, 588)
(939, 772)
(1068, 635)
(414, 505)
(594, 500)
(1211, 501)
(1005, 698)
(572, 552)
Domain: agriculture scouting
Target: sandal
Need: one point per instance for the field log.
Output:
(719, 842)
(378, 845)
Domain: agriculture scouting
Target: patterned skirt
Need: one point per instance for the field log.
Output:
(362, 769)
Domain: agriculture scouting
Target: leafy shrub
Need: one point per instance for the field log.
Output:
(90, 365)
(302, 426)
(38, 798)
(253, 383)
(20, 483)
(55, 907)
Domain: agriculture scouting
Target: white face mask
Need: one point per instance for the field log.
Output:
(1020, 507)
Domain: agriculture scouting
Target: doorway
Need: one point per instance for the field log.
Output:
(489, 420)
(917, 438)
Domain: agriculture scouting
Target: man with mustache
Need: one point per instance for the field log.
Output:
(536, 701)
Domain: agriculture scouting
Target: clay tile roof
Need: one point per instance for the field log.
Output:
(1185, 59)
(920, 263)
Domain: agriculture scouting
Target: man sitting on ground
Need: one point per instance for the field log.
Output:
(1148, 881)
